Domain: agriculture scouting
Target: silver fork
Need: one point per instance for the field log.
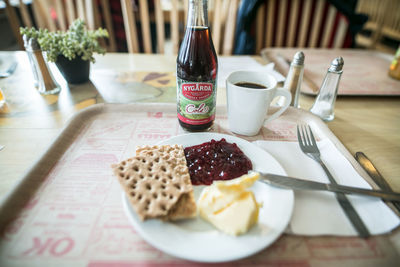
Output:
(309, 147)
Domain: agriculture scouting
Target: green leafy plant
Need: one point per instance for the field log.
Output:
(76, 42)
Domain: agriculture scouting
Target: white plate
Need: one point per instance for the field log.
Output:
(197, 240)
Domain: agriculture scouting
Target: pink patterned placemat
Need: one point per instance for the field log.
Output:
(67, 210)
(365, 72)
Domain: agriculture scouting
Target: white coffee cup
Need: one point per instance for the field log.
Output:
(247, 107)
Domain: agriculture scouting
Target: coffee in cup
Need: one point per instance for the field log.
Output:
(249, 95)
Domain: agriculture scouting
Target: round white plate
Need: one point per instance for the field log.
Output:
(197, 240)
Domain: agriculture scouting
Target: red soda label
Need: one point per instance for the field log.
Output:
(197, 91)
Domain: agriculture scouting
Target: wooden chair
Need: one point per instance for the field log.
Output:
(222, 16)
(310, 23)
(58, 14)
(14, 21)
(383, 21)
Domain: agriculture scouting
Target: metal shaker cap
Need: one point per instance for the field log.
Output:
(298, 58)
(337, 64)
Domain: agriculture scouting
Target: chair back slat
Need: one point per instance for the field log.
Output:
(280, 30)
(14, 22)
(340, 32)
(316, 24)
(61, 18)
(225, 9)
(80, 7)
(97, 16)
(46, 10)
(328, 29)
(259, 28)
(216, 26)
(145, 21)
(71, 14)
(174, 20)
(130, 26)
(270, 22)
(159, 26)
(38, 15)
(89, 14)
(185, 12)
(229, 34)
(25, 14)
(294, 14)
(304, 22)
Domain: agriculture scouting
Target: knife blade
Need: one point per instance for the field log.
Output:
(301, 184)
(370, 168)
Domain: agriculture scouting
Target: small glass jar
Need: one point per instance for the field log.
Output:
(324, 104)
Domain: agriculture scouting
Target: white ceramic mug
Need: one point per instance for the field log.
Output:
(248, 107)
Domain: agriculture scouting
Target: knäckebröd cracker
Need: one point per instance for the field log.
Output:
(157, 183)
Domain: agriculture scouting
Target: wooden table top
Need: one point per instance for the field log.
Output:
(30, 121)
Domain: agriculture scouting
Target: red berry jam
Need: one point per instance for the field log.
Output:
(216, 160)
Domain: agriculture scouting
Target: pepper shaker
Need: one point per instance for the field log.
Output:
(294, 79)
(325, 102)
(46, 83)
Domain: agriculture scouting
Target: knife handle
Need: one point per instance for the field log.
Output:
(373, 172)
(370, 168)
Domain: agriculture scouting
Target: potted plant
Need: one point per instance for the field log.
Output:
(72, 51)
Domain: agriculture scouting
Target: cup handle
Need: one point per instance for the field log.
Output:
(288, 98)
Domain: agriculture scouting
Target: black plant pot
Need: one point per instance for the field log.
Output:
(74, 71)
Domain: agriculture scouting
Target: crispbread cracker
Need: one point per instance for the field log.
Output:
(157, 183)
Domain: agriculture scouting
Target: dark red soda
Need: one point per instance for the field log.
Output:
(197, 64)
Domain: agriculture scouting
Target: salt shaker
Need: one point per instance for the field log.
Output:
(325, 102)
(31, 60)
(46, 83)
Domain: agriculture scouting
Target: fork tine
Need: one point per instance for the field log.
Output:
(309, 135)
(299, 137)
(312, 136)
(306, 140)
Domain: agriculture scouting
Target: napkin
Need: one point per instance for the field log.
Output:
(318, 213)
(227, 65)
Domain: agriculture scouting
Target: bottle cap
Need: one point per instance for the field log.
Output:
(298, 58)
(337, 64)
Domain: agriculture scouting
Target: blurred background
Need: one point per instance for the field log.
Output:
(238, 27)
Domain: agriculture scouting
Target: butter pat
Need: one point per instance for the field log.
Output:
(229, 206)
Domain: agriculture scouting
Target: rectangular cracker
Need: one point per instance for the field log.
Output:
(157, 183)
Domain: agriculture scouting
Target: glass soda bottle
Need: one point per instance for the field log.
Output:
(196, 71)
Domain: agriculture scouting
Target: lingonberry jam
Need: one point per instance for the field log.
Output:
(216, 160)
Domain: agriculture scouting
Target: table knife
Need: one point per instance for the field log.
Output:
(367, 165)
(300, 184)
